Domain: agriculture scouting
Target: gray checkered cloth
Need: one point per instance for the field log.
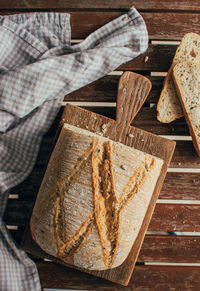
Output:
(38, 66)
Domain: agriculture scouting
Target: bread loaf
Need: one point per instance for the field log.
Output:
(169, 107)
(93, 199)
(187, 80)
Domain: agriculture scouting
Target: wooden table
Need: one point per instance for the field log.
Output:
(170, 255)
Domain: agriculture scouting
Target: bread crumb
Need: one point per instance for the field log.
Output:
(131, 135)
(99, 133)
(123, 167)
(104, 128)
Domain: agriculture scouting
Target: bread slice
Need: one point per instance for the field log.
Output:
(93, 199)
(169, 107)
(187, 80)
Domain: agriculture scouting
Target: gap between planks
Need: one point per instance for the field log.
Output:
(152, 41)
(172, 264)
(149, 233)
(157, 263)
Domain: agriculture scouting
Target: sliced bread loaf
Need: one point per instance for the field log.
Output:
(169, 107)
(187, 81)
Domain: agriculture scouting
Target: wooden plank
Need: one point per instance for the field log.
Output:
(104, 90)
(30, 186)
(99, 4)
(155, 248)
(18, 212)
(144, 278)
(166, 217)
(17, 234)
(181, 186)
(146, 119)
(170, 217)
(157, 58)
(185, 156)
(165, 278)
(160, 25)
(182, 249)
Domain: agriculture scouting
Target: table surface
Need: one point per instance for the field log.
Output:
(170, 255)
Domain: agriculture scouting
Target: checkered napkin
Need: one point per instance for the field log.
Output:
(38, 66)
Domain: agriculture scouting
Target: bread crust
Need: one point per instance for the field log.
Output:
(180, 93)
(168, 85)
(117, 182)
(174, 103)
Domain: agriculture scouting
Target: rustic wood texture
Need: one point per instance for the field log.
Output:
(132, 88)
(166, 217)
(160, 25)
(146, 119)
(156, 247)
(181, 186)
(158, 58)
(166, 20)
(182, 249)
(178, 186)
(146, 278)
(99, 4)
(104, 90)
(172, 217)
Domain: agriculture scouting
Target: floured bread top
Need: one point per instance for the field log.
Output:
(93, 199)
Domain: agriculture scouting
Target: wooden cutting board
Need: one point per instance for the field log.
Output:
(132, 92)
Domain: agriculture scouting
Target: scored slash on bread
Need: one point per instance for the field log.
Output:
(186, 77)
(169, 107)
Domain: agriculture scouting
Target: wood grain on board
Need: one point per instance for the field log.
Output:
(132, 92)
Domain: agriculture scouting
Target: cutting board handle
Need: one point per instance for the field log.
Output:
(133, 90)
